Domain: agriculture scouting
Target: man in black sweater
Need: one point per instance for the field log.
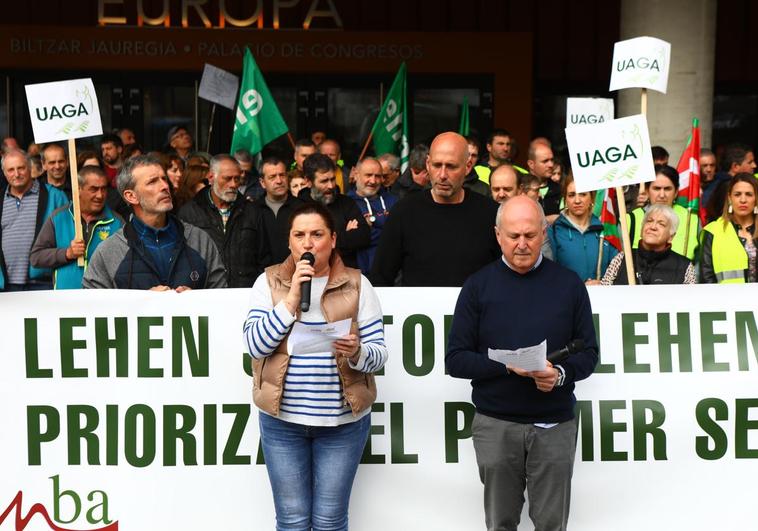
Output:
(438, 237)
(524, 425)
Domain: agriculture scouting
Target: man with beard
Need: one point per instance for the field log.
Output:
(55, 166)
(374, 202)
(231, 221)
(56, 246)
(154, 250)
(438, 237)
(111, 149)
(353, 233)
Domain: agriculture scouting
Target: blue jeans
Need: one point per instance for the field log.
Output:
(311, 470)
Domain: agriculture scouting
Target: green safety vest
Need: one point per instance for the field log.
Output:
(677, 244)
(729, 256)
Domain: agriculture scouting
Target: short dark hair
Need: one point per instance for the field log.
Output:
(111, 139)
(659, 153)
(304, 142)
(417, 158)
(498, 132)
(666, 171)
(471, 139)
(272, 161)
(317, 162)
(734, 154)
(313, 207)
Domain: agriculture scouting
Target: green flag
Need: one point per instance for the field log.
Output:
(463, 127)
(258, 120)
(390, 131)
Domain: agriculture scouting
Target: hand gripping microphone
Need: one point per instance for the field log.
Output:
(574, 346)
(305, 287)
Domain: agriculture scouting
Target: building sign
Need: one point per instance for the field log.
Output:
(215, 14)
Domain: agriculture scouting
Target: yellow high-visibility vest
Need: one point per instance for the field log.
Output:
(729, 256)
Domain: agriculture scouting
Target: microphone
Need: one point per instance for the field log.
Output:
(573, 347)
(305, 287)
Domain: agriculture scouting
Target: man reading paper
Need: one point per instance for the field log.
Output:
(524, 429)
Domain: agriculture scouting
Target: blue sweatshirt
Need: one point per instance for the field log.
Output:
(501, 309)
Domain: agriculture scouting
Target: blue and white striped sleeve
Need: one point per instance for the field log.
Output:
(266, 325)
(371, 329)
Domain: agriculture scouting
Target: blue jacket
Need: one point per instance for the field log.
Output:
(70, 275)
(50, 199)
(577, 251)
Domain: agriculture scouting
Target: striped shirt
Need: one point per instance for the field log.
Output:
(313, 394)
(18, 224)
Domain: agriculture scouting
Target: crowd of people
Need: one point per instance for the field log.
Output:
(440, 231)
(457, 216)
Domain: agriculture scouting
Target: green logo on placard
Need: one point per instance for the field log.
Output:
(78, 111)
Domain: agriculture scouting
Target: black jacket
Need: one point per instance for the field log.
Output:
(243, 243)
(653, 267)
(277, 227)
(405, 185)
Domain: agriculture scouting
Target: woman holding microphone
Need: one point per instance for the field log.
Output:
(314, 406)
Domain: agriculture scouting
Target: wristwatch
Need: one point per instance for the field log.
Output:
(561, 375)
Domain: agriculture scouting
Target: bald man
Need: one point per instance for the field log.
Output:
(438, 237)
(374, 202)
(503, 183)
(524, 424)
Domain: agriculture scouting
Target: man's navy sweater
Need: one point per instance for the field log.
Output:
(501, 309)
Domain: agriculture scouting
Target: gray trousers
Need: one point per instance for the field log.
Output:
(513, 457)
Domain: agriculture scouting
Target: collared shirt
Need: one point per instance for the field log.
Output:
(535, 266)
(159, 245)
(18, 222)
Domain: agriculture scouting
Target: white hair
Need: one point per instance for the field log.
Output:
(667, 212)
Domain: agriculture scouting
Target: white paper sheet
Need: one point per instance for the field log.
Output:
(313, 338)
(527, 358)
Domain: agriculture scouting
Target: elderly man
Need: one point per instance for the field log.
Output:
(353, 233)
(390, 168)
(26, 203)
(57, 247)
(154, 250)
(231, 221)
(374, 203)
(180, 141)
(438, 237)
(524, 430)
(275, 207)
(504, 183)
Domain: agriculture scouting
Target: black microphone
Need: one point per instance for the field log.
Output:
(305, 287)
(573, 347)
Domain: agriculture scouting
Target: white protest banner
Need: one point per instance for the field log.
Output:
(133, 410)
(642, 62)
(583, 111)
(63, 109)
(615, 153)
(219, 86)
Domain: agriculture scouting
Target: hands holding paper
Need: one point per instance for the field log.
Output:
(529, 362)
(348, 347)
(544, 379)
